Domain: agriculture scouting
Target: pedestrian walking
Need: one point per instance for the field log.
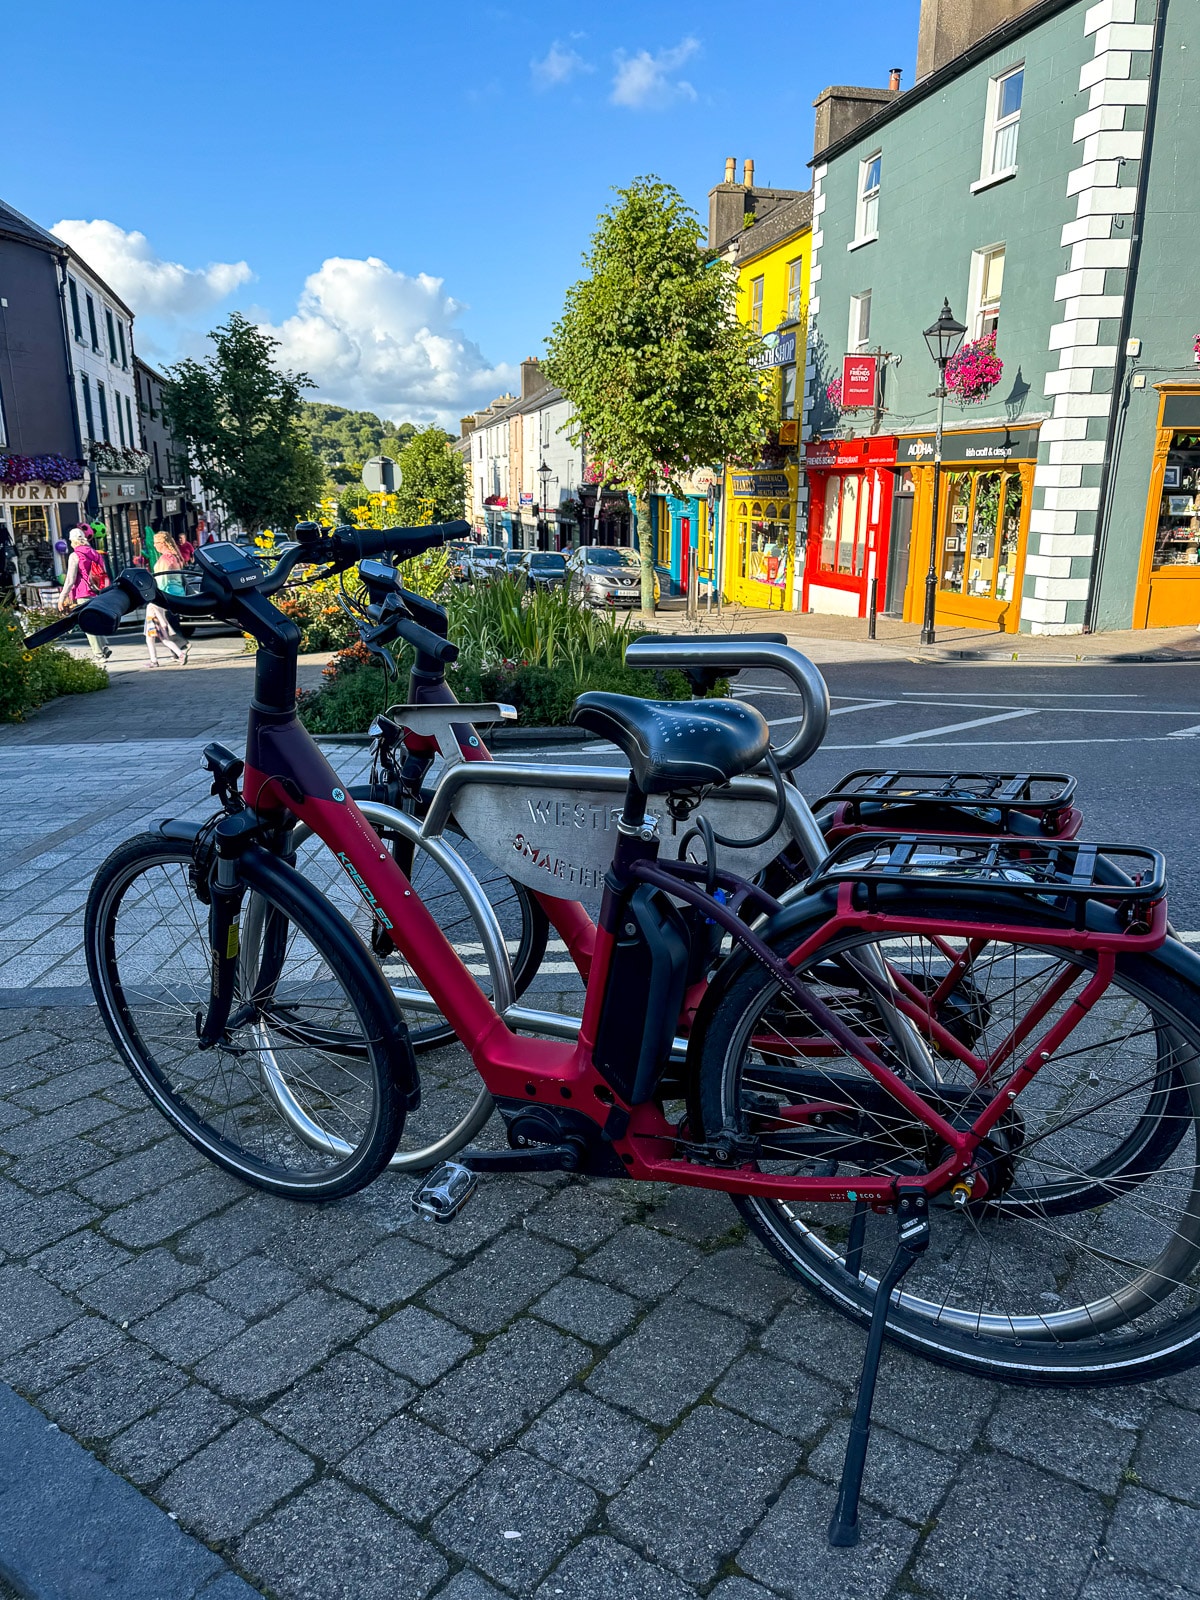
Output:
(168, 575)
(86, 577)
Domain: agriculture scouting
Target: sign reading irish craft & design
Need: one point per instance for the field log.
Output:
(986, 444)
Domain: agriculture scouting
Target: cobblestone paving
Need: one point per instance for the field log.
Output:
(576, 1390)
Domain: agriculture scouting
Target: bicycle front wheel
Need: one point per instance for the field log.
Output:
(1082, 1266)
(305, 1025)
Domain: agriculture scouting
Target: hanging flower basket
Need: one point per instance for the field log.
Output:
(39, 469)
(113, 458)
(833, 393)
(975, 371)
(1196, 349)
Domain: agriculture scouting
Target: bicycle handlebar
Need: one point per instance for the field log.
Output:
(734, 654)
(103, 612)
(360, 544)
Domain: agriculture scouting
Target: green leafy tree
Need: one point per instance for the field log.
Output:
(433, 487)
(651, 356)
(240, 415)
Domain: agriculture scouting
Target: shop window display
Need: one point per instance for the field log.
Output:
(844, 531)
(1177, 537)
(763, 538)
(33, 536)
(981, 534)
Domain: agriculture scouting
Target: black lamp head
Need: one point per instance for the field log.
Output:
(945, 336)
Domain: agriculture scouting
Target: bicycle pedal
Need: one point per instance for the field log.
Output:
(443, 1193)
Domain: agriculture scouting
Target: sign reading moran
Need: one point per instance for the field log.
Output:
(41, 491)
(987, 444)
(778, 350)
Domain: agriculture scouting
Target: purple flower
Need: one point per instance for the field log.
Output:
(53, 469)
(833, 393)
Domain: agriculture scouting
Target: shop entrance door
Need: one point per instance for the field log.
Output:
(899, 541)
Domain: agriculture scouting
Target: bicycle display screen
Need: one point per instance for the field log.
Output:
(231, 564)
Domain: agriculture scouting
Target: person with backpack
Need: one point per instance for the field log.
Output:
(86, 577)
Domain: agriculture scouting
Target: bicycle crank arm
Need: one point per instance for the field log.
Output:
(569, 1156)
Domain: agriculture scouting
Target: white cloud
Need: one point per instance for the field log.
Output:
(558, 66)
(377, 340)
(150, 285)
(645, 82)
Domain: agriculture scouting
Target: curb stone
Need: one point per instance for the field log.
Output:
(72, 1530)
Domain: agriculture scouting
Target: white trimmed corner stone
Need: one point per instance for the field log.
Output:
(1074, 547)
(1095, 121)
(1106, 253)
(1081, 405)
(1089, 227)
(1109, 145)
(1119, 92)
(1077, 452)
(817, 240)
(1084, 330)
(1094, 305)
(819, 204)
(1088, 355)
(1099, 16)
(819, 173)
(1069, 285)
(1071, 380)
(1071, 499)
(1117, 200)
(1052, 524)
(1046, 475)
(1124, 36)
(1060, 588)
(814, 305)
(1037, 610)
(1106, 64)
(1055, 428)
(1044, 566)
(1095, 175)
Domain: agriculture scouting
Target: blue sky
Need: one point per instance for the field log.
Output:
(403, 193)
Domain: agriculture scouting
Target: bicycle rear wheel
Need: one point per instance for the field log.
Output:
(309, 1015)
(1083, 1264)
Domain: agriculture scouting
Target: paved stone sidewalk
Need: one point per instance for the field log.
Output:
(576, 1390)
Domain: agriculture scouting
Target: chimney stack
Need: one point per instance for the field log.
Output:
(730, 169)
(748, 174)
(894, 80)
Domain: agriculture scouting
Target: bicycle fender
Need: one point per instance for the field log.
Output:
(178, 828)
(262, 870)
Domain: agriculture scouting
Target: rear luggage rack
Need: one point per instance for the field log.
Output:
(1124, 877)
(867, 796)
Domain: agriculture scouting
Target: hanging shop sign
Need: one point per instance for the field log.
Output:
(118, 489)
(777, 350)
(761, 485)
(987, 444)
(170, 508)
(860, 378)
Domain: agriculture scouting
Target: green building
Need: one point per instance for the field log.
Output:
(1041, 175)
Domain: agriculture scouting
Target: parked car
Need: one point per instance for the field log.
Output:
(607, 575)
(514, 563)
(460, 555)
(484, 561)
(545, 569)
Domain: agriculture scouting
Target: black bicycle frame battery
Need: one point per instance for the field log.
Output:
(646, 982)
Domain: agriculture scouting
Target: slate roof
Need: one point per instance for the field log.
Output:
(791, 217)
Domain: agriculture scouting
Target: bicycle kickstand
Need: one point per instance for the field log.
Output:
(912, 1208)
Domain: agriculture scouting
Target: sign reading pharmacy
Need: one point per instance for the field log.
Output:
(777, 350)
(762, 485)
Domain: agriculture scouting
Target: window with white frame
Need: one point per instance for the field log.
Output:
(987, 281)
(866, 218)
(858, 335)
(795, 289)
(756, 305)
(1002, 123)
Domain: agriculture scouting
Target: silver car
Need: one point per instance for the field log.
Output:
(606, 575)
(485, 561)
(545, 569)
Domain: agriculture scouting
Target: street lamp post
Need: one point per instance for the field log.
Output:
(544, 474)
(944, 338)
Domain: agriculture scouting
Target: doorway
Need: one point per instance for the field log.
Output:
(899, 541)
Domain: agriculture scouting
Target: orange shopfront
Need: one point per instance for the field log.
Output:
(983, 525)
(1168, 590)
(850, 483)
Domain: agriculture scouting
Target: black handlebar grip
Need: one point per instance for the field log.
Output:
(104, 612)
(426, 642)
(361, 543)
(52, 630)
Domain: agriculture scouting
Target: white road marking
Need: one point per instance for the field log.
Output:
(1185, 733)
(1040, 694)
(954, 727)
(838, 711)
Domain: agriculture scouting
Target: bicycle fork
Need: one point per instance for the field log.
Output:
(226, 892)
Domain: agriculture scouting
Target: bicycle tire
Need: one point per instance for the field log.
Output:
(149, 984)
(1158, 1338)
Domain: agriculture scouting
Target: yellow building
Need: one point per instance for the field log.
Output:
(771, 251)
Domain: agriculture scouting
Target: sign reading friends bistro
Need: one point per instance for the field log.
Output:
(987, 444)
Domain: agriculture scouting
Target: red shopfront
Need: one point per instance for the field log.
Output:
(850, 485)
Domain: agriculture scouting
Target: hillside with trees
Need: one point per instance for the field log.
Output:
(342, 439)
